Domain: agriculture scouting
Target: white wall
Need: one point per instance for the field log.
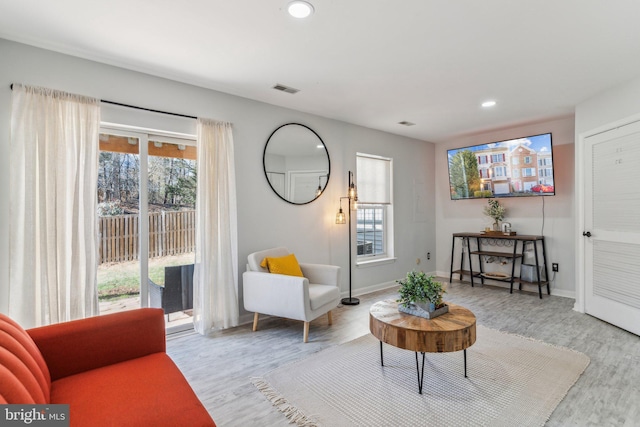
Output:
(524, 214)
(264, 219)
(608, 107)
(604, 111)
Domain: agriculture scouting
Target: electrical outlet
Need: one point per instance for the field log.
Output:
(554, 267)
(428, 255)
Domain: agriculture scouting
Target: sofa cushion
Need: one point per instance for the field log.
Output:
(146, 391)
(320, 295)
(24, 376)
(287, 265)
(100, 340)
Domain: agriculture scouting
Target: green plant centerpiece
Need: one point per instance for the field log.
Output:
(496, 211)
(421, 295)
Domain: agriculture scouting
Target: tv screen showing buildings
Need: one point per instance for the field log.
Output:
(517, 167)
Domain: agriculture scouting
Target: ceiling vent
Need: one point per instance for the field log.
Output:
(406, 123)
(287, 89)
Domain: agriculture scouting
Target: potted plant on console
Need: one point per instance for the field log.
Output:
(496, 211)
(421, 295)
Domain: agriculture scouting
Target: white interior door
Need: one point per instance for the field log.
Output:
(612, 226)
(303, 185)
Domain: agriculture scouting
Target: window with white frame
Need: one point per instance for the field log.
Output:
(499, 171)
(370, 230)
(374, 217)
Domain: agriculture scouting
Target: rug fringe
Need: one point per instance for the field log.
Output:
(294, 415)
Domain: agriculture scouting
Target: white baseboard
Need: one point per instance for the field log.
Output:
(245, 318)
(441, 274)
(555, 292)
(248, 317)
(563, 293)
(369, 289)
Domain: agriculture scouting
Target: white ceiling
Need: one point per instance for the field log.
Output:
(368, 62)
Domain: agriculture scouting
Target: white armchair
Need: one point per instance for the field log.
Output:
(299, 298)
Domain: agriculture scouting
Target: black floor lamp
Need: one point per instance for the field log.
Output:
(352, 195)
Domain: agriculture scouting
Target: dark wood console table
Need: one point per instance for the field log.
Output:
(482, 240)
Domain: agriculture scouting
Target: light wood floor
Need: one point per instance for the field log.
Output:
(219, 367)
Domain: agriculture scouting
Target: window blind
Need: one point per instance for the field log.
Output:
(373, 178)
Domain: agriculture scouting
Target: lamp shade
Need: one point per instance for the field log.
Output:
(340, 217)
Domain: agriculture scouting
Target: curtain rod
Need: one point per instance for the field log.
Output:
(141, 108)
(148, 109)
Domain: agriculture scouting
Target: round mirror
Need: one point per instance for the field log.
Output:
(296, 163)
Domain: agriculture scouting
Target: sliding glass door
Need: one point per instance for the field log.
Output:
(119, 225)
(171, 199)
(146, 214)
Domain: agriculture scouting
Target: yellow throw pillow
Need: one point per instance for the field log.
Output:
(283, 265)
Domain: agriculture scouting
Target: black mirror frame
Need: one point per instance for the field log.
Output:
(264, 166)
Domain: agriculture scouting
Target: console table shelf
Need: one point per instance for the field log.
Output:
(496, 254)
(514, 256)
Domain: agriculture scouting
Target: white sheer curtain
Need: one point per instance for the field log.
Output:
(215, 279)
(53, 225)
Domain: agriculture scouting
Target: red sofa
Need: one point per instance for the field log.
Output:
(112, 370)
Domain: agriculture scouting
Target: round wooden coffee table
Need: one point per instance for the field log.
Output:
(452, 331)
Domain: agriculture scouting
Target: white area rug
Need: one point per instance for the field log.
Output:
(512, 381)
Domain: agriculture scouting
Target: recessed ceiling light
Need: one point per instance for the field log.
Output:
(488, 104)
(300, 9)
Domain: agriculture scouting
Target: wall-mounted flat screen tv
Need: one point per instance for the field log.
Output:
(515, 168)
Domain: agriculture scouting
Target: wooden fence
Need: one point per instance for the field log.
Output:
(170, 233)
